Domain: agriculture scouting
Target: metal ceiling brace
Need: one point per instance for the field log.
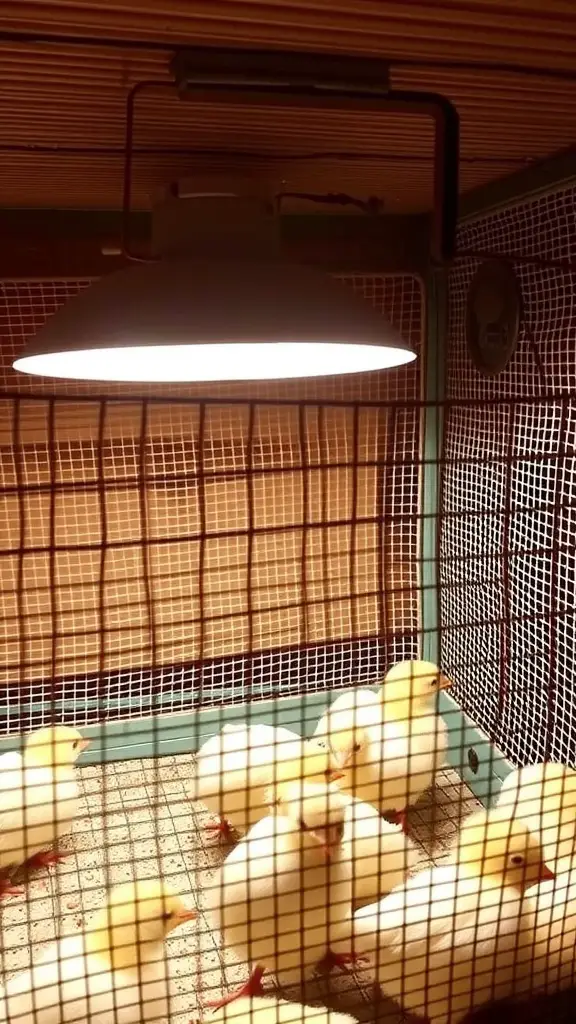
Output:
(307, 81)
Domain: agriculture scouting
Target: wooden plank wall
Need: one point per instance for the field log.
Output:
(134, 534)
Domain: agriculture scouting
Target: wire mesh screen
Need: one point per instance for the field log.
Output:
(507, 534)
(159, 555)
(166, 553)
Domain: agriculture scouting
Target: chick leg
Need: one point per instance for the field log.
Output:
(47, 858)
(220, 831)
(332, 960)
(398, 818)
(7, 889)
(252, 987)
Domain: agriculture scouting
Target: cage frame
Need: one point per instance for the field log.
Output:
(543, 178)
(549, 176)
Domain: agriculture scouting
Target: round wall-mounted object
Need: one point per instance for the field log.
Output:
(493, 316)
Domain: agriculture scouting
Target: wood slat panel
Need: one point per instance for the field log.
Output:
(333, 568)
(85, 469)
(69, 100)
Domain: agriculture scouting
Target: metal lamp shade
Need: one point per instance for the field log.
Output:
(181, 320)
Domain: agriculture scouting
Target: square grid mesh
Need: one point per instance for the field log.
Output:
(169, 548)
(507, 554)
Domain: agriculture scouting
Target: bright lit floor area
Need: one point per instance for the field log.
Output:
(137, 821)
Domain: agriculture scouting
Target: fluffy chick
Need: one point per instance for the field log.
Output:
(39, 798)
(381, 856)
(544, 797)
(389, 747)
(285, 888)
(234, 769)
(458, 935)
(114, 970)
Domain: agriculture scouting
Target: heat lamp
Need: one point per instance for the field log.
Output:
(218, 304)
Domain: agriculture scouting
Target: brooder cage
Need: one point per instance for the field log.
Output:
(179, 558)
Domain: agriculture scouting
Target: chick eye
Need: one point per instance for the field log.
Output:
(167, 916)
(517, 860)
(357, 747)
(75, 745)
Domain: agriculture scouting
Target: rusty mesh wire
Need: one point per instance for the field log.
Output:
(253, 556)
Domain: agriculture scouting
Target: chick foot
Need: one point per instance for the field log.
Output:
(342, 960)
(47, 858)
(220, 831)
(7, 889)
(252, 987)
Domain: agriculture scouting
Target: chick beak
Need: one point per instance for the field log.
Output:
(335, 775)
(186, 915)
(545, 874)
(84, 744)
(342, 759)
(444, 683)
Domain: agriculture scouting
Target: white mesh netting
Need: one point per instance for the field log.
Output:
(507, 553)
(159, 554)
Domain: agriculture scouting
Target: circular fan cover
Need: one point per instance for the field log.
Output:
(493, 314)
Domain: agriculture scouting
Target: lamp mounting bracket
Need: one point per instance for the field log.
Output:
(277, 71)
(307, 81)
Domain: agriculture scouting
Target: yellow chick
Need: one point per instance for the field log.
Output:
(455, 936)
(115, 970)
(57, 747)
(276, 1011)
(544, 797)
(234, 769)
(39, 798)
(389, 744)
(381, 855)
(284, 889)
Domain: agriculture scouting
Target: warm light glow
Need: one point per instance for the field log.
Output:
(224, 362)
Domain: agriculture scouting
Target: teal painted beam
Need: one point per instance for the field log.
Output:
(466, 742)
(163, 735)
(432, 426)
(558, 171)
(485, 773)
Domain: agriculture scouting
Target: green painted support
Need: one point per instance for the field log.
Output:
(161, 735)
(464, 737)
(548, 175)
(430, 476)
(165, 735)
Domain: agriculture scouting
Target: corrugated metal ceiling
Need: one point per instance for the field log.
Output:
(62, 105)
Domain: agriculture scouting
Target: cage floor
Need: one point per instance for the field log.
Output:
(137, 822)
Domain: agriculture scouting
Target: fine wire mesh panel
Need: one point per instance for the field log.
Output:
(192, 553)
(164, 555)
(507, 553)
(158, 557)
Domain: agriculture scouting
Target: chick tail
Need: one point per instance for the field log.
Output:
(252, 987)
